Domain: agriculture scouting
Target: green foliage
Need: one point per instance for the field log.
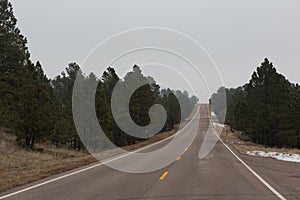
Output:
(38, 109)
(219, 104)
(26, 101)
(13, 59)
(63, 87)
(169, 101)
(266, 108)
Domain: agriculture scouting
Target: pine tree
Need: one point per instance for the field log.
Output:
(26, 101)
(110, 79)
(14, 57)
(63, 89)
(266, 108)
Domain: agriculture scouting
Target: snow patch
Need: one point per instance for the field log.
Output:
(279, 156)
(218, 124)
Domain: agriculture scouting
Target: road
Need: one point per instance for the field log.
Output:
(220, 175)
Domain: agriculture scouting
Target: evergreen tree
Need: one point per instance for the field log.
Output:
(63, 89)
(26, 101)
(110, 79)
(38, 109)
(266, 108)
(14, 57)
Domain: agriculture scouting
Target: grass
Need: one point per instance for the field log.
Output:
(20, 166)
(242, 144)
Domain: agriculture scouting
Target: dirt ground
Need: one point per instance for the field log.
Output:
(241, 143)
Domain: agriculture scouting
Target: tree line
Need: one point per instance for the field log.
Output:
(39, 109)
(267, 108)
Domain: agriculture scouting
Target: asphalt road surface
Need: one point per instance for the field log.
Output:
(222, 174)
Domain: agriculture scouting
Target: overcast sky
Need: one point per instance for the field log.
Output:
(237, 34)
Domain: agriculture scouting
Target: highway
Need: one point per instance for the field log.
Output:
(220, 175)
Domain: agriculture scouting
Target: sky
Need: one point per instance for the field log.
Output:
(235, 36)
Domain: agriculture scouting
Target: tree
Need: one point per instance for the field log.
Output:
(63, 89)
(110, 79)
(13, 50)
(14, 57)
(170, 102)
(38, 109)
(266, 108)
(187, 104)
(268, 97)
(27, 102)
(141, 100)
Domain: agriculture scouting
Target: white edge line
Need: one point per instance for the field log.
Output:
(252, 171)
(96, 165)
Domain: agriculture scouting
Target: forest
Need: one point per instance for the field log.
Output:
(266, 109)
(39, 109)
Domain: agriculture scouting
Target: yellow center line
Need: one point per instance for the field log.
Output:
(185, 149)
(163, 176)
(178, 158)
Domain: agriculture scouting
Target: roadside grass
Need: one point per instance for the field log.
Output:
(242, 144)
(20, 166)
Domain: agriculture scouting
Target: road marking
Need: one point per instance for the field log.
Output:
(163, 176)
(252, 171)
(178, 158)
(99, 164)
(185, 149)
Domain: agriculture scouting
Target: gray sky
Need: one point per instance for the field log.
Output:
(237, 34)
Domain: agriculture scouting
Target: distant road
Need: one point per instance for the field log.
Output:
(220, 175)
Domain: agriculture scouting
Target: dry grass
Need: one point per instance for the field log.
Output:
(20, 166)
(242, 144)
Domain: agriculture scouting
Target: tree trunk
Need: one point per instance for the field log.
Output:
(32, 143)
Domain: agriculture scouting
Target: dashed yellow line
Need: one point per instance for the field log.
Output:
(163, 176)
(178, 158)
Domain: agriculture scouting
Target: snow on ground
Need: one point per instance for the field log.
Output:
(215, 123)
(279, 156)
(218, 124)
